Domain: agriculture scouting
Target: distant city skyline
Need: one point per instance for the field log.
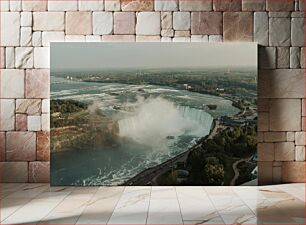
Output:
(107, 56)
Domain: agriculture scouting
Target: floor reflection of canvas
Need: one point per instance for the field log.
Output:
(153, 114)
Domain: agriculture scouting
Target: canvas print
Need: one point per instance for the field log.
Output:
(153, 114)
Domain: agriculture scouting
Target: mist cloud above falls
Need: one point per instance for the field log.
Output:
(155, 119)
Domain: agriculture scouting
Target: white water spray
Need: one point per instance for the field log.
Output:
(155, 119)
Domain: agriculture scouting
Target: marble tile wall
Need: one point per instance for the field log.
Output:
(28, 27)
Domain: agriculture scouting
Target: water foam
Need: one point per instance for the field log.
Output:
(155, 119)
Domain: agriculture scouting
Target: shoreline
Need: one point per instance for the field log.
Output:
(146, 176)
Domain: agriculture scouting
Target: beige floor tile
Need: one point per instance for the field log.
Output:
(9, 206)
(100, 208)
(32, 212)
(132, 207)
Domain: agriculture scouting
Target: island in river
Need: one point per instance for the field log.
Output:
(182, 128)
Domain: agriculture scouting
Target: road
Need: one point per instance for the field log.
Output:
(236, 171)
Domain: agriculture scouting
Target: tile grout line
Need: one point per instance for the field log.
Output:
(178, 201)
(18, 189)
(3, 219)
(28, 203)
(255, 213)
(107, 222)
(55, 207)
(6, 197)
(26, 188)
(86, 205)
(149, 204)
(213, 205)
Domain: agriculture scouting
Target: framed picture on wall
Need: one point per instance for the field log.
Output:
(153, 114)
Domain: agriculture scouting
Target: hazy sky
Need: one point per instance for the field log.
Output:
(99, 56)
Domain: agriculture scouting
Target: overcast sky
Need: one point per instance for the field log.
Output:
(99, 56)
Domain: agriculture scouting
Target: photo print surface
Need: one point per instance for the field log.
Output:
(153, 114)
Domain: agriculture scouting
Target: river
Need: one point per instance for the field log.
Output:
(159, 122)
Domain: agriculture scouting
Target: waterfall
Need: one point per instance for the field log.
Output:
(197, 115)
(156, 119)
